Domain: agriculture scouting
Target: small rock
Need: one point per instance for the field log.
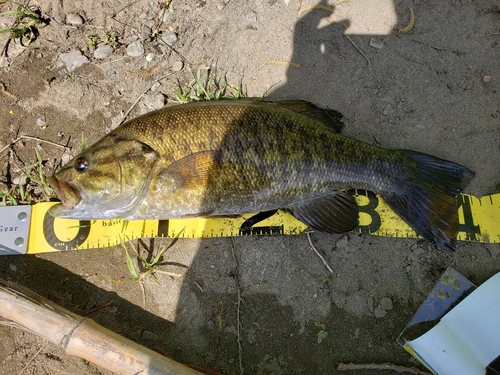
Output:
(103, 52)
(13, 267)
(41, 123)
(178, 65)
(377, 44)
(154, 101)
(251, 17)
(73, 60)
(383, 307)
(487, 79)
(386, 303)
(169, 37)
(74, 19)
(150, 57)
(145, 32)
(155, 87)
(343, 242)
(387, 110)
(135, 49)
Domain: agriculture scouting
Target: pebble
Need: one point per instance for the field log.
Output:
(178, 65)
(343, 242)
(169, 37)
(487, 79)
(13, 267)
(251, 17)
(377, 44)
(383, 307)
(73, 60)
(74, 19)
(150, 57)
(103, 51)
(154, 101)
(155, 87)
(145, 32)
(41, 123)
(135, 49)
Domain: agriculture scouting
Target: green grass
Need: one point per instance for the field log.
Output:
(23, 28)
(32, 186)
(210, 88)
(147, 270)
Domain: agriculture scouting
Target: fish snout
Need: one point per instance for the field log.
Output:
(67, 192)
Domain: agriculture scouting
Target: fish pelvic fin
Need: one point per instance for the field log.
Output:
(332, 213)
(426, 199)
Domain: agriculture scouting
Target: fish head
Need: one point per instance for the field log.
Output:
(108, 180)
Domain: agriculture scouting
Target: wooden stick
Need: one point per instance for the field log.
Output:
(81, 336)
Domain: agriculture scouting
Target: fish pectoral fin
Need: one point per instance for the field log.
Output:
(194, 171)
(333, 213)
(329, 117)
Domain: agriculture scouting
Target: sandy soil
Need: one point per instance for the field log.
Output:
(426, 90)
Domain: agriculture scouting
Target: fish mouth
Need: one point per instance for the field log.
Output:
(67, 193)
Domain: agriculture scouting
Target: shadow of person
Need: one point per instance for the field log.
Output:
(318, 50)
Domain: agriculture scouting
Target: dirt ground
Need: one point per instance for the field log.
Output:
(435, 89)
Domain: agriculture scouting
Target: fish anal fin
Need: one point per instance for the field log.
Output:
(333, 213)
(194, 171)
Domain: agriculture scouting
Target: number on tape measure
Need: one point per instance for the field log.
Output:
(58, 244)
(369, 209)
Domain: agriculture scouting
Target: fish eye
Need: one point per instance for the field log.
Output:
(81, 165)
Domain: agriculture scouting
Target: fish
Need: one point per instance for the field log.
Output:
(231, 157)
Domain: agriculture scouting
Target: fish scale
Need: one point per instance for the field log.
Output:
(233, 157)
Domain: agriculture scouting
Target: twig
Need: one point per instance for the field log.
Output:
(318, 254)
(140, 97)
(355, 46)
(34, 139)
(457, 52)
(4, 91)
(384, 366)
(32, 358)
(58, 23)
(236, 279)
(99, 307)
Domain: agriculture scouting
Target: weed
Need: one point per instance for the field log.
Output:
(31, 188)
(149, 267)
(92, 41)
(211, 89)
(322, 333)
(82, 143)
(111, 39)
(24, 24)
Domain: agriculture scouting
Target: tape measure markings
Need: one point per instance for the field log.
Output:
(479, 220)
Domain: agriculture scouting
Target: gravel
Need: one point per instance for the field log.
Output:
(135, 49)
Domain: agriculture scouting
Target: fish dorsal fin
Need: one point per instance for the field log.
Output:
(329, 117)
(194, 171)
(333, 213)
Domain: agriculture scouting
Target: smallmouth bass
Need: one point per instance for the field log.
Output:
(224, 158)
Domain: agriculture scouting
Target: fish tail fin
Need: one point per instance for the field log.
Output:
(426, 197)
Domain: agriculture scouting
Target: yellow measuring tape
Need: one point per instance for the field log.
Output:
(478, 217)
